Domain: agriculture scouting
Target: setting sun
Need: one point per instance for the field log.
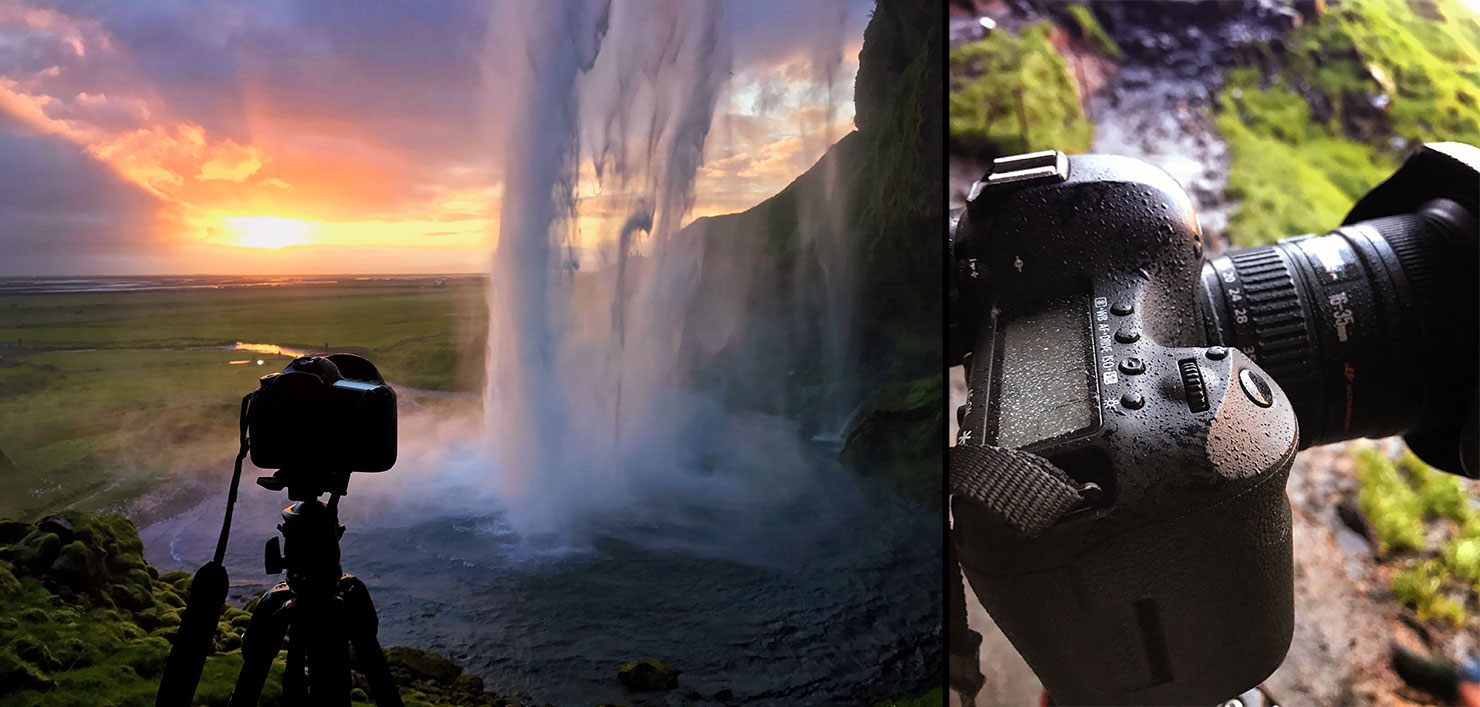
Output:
(267, 231)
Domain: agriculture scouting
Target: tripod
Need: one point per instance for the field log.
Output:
(320, 610)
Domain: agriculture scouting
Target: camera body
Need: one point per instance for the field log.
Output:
(329, 414)
(1170, 581)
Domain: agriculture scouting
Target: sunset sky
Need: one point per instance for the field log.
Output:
(292, 137)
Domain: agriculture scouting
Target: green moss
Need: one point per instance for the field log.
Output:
(1407, 502)
(17, 675)
(934, 698)
(1392, 506)
(1421, 586)
(899, 438)
(1089, 28)
(1014, 94)
(1293, 174)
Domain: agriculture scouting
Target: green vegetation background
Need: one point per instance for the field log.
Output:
(1299, 119)
(103, 396)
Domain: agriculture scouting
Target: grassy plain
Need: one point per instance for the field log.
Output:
(105, 395)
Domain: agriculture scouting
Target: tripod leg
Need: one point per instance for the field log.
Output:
(261, 643)
(295, 687)
(327, 651)
(362, 625)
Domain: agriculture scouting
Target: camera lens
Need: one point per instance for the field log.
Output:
(1365, 327)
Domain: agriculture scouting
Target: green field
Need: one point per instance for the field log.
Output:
(103, 396)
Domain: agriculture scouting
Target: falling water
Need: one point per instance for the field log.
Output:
(587, 406)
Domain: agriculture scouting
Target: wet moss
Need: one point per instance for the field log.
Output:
(1422, 586)
(1014, 94)
(1391, 504)
(1322, 116)
(1424, 518)
(1089, 28)
(900, 438)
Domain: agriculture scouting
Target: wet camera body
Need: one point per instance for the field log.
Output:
(1120, 507)
(1086, 287)
(329, 414)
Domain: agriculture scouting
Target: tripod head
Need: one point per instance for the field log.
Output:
(306, 485)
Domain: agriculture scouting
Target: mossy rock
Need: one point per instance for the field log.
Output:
(39, 549)
(648, 675)
(469, 683)
(17, 674)
(899, 438)
(421, 665)
(57, 524)
(9, 585)
(35, 652)
(79, 567)
(174, 577)
(119, 533)
(126, 562)
(158, 616)
(33, 615)
(131, 597)
(1015, 94)
(147, 656)
(12, 531)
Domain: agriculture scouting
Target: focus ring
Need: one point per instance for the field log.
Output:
(1276, 334)
(1412, 238)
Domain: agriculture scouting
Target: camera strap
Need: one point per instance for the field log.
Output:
(207, 596)
(1025, 491)
(236, 479)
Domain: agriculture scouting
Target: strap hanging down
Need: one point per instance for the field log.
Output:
(1025, 490)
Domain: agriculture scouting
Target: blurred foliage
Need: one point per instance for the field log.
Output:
(1013, 94)
(1321, 117)
(1089, 28)
(1408, 503)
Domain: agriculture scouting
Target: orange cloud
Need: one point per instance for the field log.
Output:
(232, 162)
(282, 159)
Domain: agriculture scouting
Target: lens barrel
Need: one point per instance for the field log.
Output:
(1369, 328)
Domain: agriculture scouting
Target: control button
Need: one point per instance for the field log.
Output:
(1256, 388)
(1122, 308)
(1133, 401)
(1127, 335)
(1132, 366)
(1217, 353)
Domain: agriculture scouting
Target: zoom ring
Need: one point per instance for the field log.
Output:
(1276, 330)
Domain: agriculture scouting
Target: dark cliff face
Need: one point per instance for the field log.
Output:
(876, 190)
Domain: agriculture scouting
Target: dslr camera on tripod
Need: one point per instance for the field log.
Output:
(1118, 483)
(330, 415)
(315, 423)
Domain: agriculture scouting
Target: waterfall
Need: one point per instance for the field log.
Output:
(602, 114)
